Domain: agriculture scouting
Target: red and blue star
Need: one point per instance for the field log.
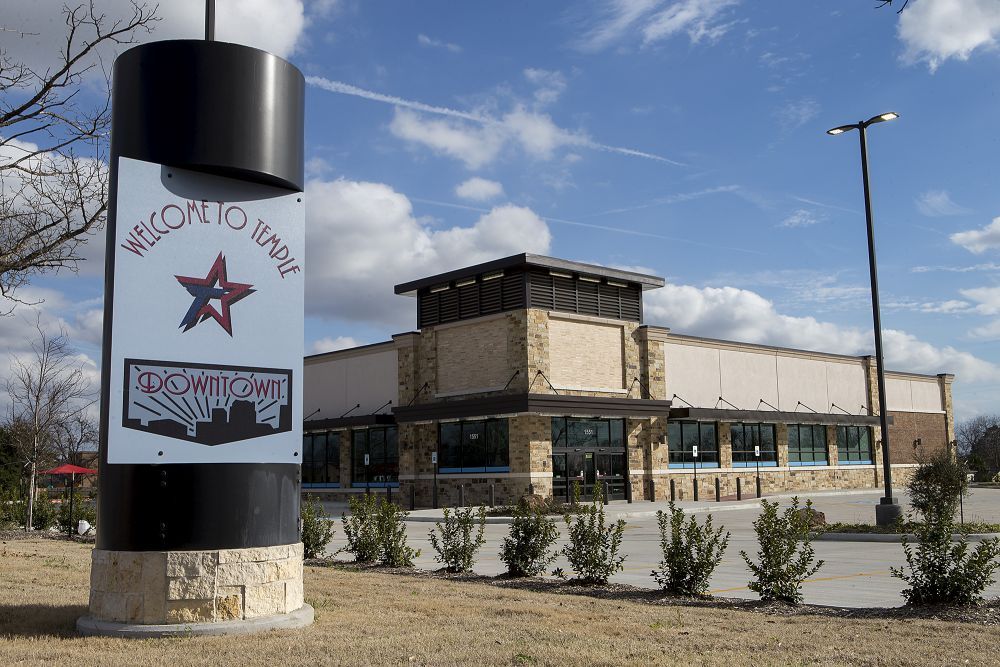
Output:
(215, 285)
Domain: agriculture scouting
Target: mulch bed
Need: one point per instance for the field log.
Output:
(14, 535)
(987, 613)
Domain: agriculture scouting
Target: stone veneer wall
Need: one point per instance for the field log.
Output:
(178, 587)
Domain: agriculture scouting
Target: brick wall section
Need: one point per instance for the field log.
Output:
(180, 587)
(586, 354)
(473, 355)
(907, 427)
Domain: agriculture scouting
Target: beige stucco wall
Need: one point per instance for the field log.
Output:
(338, 381)
(586, 354)
(907, 394)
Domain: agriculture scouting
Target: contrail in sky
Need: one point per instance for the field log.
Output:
(571, 139)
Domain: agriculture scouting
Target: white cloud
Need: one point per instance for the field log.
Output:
(550, 85)
(743, 315)
(525, 127)
(327, 344)
(656, 20)
(798, 112)
(978, 241)
(986, 298)
(479, 189)
(933, 31)
(429, 42)
(938, 203)
(800, 218)
(989, 266)
(473, 145)
(362, 239)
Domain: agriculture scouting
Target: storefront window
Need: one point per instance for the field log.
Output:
(806, 445)
(683, 437)
(321, 460)
(854, 445)
(746, 438)
(579, 433)
(382, 447)
(474, 446)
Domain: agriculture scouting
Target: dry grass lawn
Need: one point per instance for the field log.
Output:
(379, 618)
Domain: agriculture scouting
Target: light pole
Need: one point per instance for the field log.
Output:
(888, 510)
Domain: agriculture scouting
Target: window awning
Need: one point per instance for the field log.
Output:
(553, 404)
(774, 417)
(354, 421)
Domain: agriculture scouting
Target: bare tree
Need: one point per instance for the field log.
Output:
(980, 437)
(47, 391)
(76, 434)
(53, 177)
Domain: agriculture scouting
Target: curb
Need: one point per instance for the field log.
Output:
(612, 516)
(88, 626)
(894, 537)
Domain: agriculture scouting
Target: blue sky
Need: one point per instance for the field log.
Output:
(684, 138)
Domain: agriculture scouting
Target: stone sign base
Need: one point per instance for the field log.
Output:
(227, 590)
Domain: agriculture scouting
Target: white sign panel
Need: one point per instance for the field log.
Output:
(206, 337)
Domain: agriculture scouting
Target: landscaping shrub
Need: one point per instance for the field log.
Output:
(942, 571)
(44, 514)
(317, 529)
(691, 552)
(785, 554)
(12, 509)
(456, 547)
(937, 486)
(376, 532)
(593, 545)
(526, 549)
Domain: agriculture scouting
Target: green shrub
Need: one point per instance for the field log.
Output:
(937, 486)
(456, 547)
(593, 545)
(785, 553)
(44, 514)
(317, 528)
(12, 510)
(691, 552)
(376, 532)
(83, 509)
(944, 572)
(526, 549)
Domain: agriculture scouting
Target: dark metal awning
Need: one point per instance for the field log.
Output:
(555, 404)
(380, 419)
(773, 416)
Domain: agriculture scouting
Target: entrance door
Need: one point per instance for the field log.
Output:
(587, 468)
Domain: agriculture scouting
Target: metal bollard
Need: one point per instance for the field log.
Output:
(388, 494)
(696, 489)
(493, 494)
(652, 490)
(758, 488)
(607, 491)
(413, 496)
(461, 495)
(673, 491)
(718, 491)
(434, 495)
(739, 489)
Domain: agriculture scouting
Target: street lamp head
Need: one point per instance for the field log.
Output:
(840, 130)
(882, 117)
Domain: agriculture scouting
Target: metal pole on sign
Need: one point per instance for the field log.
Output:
(72, 493)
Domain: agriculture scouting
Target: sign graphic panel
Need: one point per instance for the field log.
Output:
(206, 337)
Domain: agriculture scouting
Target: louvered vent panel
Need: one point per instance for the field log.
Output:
(449, 305)
(513, 291)
(468, 296)
(541, 291)
(565, 294)
(609, 305)
(586, 298)
(428, 306)
(491, 296)
(631, 303)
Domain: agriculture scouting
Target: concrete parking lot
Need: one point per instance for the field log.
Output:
(855, 574)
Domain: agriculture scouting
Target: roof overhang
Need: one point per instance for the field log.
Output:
(773, 416)
(554, 404)
(356, 421)
(525, 260)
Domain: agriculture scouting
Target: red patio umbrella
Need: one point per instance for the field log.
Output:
(72, 471)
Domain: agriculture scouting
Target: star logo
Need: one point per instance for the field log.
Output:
(215, 285)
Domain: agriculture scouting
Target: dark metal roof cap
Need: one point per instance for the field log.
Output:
(529, 260)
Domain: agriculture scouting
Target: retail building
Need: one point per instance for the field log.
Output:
(529, 374)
